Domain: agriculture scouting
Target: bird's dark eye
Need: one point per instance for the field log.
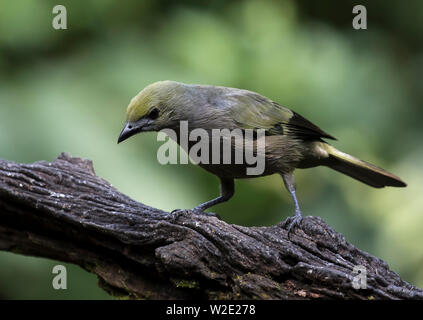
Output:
(154, 114)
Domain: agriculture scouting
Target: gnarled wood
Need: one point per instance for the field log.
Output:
(62, 210)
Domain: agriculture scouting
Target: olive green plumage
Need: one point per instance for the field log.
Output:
(291, 141)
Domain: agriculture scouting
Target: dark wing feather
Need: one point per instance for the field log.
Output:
(253, 111)
(306, 129)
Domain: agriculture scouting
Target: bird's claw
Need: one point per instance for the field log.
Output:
(176, 213)
(199, 211)
(293, 221)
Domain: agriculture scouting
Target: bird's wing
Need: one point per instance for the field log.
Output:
(253, 111)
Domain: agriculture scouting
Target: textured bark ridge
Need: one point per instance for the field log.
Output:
(62, 210)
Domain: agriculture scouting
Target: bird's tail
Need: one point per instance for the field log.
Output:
(361, 170)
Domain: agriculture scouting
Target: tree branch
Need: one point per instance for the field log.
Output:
(63, 211)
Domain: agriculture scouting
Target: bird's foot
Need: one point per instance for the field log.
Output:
(197, 210)
(200, 211)
(176, 213)
(293, 221)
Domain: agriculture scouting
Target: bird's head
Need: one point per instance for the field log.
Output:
(152, 109)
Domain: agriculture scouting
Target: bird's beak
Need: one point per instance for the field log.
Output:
(130, 129)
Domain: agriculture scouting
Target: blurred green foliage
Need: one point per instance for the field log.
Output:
(67, 90)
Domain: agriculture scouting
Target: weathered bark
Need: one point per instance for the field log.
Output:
(62, 210)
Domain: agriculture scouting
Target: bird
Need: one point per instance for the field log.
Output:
(291, 141)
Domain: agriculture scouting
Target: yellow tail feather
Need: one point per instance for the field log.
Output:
(361, 170)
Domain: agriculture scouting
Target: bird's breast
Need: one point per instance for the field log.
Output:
(234, 155)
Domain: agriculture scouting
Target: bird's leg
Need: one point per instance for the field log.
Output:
(289, 180)
(227, 189)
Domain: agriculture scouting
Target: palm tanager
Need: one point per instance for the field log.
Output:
(291, 141)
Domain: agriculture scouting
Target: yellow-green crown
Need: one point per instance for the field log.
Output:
(150, 97)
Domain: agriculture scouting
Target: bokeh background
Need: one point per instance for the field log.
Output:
(67, 90)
